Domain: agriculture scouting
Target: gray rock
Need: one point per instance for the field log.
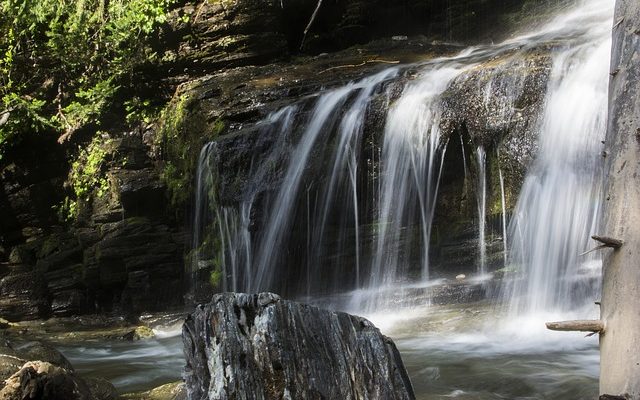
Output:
(169, 391)
(23, 296)
(43, 352)
(101, 389)
(242, 346)
(10, 360)
(43, 380)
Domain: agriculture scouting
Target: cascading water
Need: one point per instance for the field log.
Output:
(279, 220)
(344, 174)
(559, 203)
(412, 155)
(406, 178)
(250, 262)
(503, 207)
(481, 199)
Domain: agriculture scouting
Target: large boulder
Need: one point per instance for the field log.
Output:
(49, 375)
(43, 380)
(242, 346)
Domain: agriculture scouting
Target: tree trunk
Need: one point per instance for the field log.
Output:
(620, 310)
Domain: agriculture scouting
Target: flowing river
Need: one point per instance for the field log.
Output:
(454, 351)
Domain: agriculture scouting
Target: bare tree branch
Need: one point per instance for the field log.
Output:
(313, 17)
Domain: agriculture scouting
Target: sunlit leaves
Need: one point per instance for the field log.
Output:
(62, 61)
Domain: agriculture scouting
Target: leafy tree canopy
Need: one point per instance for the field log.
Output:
(62, 61)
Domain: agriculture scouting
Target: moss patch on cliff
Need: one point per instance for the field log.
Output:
(183, 129)
(87, 177)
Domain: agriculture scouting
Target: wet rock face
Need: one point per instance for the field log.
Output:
(242, 346)
(496, 104)
(23, 295)
(228, 33)
(124, 253)
(215, 34)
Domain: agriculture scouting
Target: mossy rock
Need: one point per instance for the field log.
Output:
(184, 129)
(140, 333)
(169, 391)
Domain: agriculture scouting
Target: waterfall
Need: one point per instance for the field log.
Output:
(351, 211)
(503, 207)
(280, 215)
(558, 207)
(250, 261)
(344, 173)
(412, 161)
(481, 199)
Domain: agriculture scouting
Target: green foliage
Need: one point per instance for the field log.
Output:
(86, 172)
(63, 61)
(86, 177)
(140, 110)
(67, 210)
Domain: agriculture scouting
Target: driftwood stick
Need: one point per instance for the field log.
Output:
(313, 17)
(608, 242)
(602, 246)
(579, 325)
(360, 65)
(617, 24)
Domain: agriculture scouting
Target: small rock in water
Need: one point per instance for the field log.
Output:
(461, 277)
(169, 391)
(400, 37)
(141, 332)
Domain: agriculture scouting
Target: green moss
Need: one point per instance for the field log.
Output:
(215, 278)
(143, 332)
(86, 172)
(87, 176)
(183, 131)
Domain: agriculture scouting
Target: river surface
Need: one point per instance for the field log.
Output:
(466, 354)
(470, 354)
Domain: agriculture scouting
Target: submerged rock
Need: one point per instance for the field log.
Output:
(139, 333)
(242, 346)
(168, 391)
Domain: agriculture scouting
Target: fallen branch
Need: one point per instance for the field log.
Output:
(602, 246)
(359, 65)
(618, 23)
(313, 17)
(608, 242)
(579, 325)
